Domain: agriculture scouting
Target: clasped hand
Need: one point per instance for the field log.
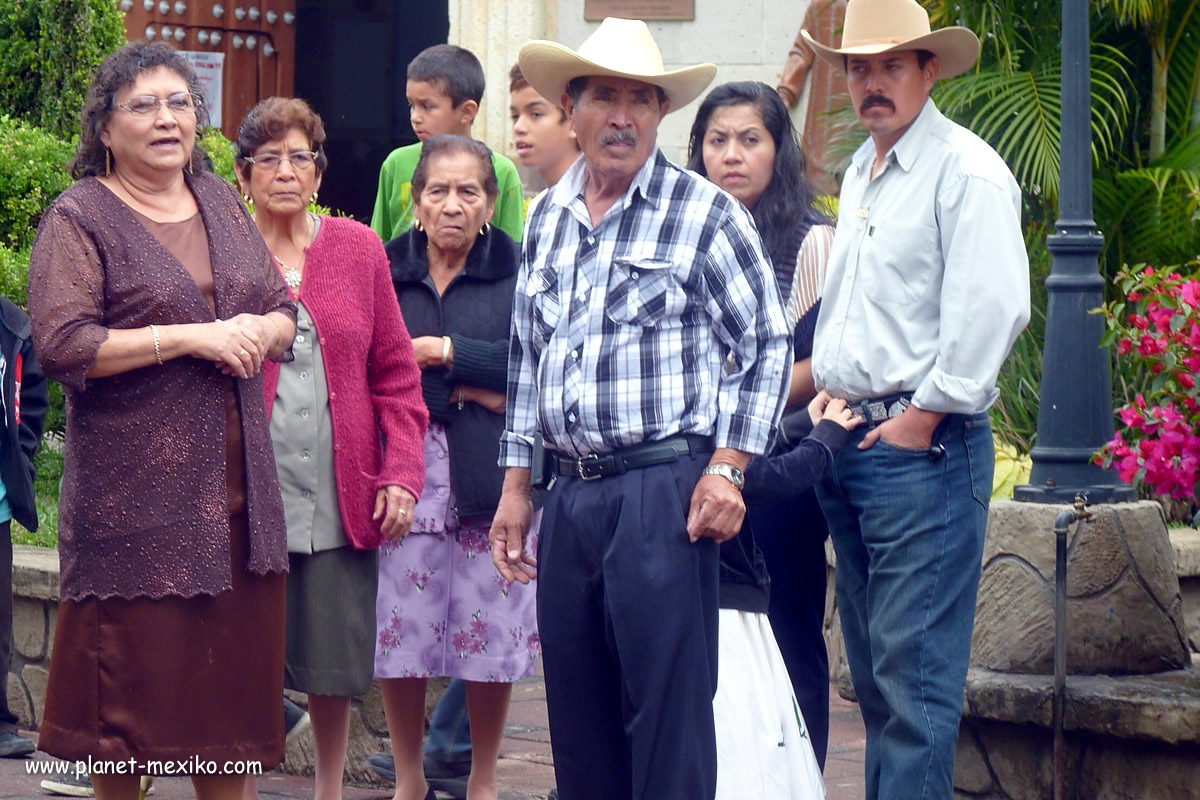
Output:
(239, 345)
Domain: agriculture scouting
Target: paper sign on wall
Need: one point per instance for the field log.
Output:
(209, 70)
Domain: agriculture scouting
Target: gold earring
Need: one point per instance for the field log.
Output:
(417, 224)
(249, 201)
(312, 200)
(483, 231)
(107, 162)
(191, 170)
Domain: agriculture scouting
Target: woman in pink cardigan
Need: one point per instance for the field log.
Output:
(347, 420)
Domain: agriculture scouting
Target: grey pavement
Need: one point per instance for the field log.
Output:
(526, 768)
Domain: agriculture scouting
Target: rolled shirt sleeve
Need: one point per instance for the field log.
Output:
(980, 223)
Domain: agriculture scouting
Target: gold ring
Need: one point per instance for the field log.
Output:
(242, 352)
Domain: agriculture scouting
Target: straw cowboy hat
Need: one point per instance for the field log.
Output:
(880, 26)
(620, 48)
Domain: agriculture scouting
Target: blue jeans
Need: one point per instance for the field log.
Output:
(908, 526)
(449, 739)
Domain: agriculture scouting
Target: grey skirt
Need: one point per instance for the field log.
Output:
(331, 621)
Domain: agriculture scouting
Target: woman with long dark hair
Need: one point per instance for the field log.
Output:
(743, 141)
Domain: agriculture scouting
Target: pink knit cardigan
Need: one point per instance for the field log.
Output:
(379, 416)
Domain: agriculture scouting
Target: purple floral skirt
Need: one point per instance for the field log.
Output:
(442, 609)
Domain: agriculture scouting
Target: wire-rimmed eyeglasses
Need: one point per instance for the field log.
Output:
(299, 159)
(145, 105)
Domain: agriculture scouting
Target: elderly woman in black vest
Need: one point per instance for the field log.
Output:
(442, 610)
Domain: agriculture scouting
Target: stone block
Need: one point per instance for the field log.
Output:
(1014, 618)
(1189, 590)
(18, 701)
(1186, 542)
(1114, 770)
(1020, 758)
(1164, 707)
(971, 772)
(1124, 611)
(35, 572)
(52, 615)
(372, 710)
(35, 679)
(29, 627)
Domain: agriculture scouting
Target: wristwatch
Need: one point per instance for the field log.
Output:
(729, 473)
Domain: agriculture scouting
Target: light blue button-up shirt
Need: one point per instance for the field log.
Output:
(928, 280)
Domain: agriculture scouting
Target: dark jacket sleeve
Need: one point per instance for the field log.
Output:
(34, 404)
(479, 363)
(790, 474)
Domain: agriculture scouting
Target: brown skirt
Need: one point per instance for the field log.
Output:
(174, 678)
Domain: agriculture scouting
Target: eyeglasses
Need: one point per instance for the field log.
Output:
(145, 105)
(299, 159)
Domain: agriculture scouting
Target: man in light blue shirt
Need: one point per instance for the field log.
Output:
(927, 289)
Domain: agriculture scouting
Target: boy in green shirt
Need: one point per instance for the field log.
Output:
(445, 85)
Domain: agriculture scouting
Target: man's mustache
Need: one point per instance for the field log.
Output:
(620, 137)
(876, 100)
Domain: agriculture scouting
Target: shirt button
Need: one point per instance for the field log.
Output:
(337, 447)
(571, 417)
(322, 340)
(333, 395)
(304, 413)
(575, 354)
(441, 490)
(306, 494)
(305, 454)
(300, 338)
(441, 453)
(303, 376)
(634, 275)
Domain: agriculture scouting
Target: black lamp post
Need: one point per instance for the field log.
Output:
(1075, 413)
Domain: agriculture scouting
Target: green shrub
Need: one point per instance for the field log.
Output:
(33, 171)
(49, 50)
(14, 274)
(220, 152)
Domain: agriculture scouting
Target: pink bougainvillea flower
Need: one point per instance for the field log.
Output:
(1191, 293)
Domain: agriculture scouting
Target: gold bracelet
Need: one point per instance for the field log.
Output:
(157, 351)
(278, 329)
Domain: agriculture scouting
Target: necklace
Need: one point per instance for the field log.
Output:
(291, 275)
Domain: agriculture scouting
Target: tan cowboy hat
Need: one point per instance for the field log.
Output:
(879, 26)
(620, 48)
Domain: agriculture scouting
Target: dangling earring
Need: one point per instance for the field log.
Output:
(249, 201)
(191, 171)
(313, 200)
(417, 224)
(483, 231)
(107, 162)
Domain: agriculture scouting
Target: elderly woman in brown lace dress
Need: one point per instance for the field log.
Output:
(154, 302)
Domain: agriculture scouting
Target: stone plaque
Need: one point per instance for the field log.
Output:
(595, 10)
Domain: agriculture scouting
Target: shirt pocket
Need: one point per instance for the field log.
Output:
(542, 289)
(899, 262)
(641, 292)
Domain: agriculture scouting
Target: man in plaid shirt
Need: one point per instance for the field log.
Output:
(638, 281)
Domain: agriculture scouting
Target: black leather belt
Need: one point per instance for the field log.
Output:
(880, 409)
(593, 466)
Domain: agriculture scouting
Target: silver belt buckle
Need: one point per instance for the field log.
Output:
(876, 413)
(897, 408)
(582, 470)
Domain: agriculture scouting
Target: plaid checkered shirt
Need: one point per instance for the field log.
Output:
(621, 331)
